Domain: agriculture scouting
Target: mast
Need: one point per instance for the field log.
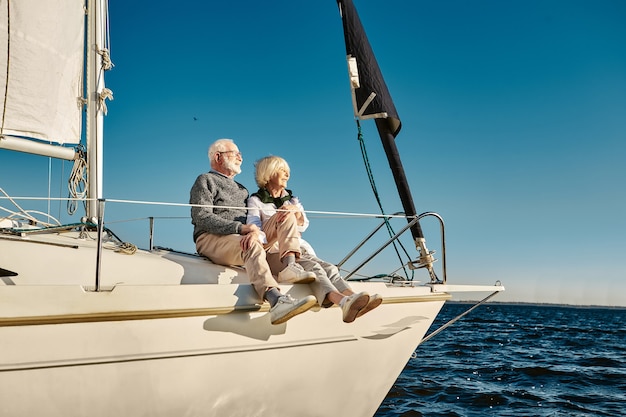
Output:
(371, 100)
(96, 94)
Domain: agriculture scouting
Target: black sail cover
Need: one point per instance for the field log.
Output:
(370, 80)
(371, 100)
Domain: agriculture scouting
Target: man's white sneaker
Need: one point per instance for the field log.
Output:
(287, 307)
(354, 304)
(295, 274)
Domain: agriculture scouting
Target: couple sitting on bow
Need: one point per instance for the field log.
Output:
(263, 233)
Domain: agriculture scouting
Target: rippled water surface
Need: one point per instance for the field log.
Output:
(517, 360)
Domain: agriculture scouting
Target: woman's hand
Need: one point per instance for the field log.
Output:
(287, 210)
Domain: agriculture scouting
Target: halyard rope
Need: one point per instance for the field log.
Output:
(370, 176)
(76, 183)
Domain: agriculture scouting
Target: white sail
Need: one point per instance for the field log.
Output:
(41, 66)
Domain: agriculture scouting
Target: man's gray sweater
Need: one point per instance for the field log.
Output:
(229, 198)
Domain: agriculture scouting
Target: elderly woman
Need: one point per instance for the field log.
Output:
(274, 199)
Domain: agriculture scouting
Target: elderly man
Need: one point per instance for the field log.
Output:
(222, 235)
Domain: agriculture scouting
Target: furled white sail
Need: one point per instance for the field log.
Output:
(41, 67)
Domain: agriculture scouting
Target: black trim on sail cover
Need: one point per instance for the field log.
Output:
(372, 88)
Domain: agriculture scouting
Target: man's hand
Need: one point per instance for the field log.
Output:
(249, 228)
(250, 233)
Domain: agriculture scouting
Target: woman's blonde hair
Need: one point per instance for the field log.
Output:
(267, 167)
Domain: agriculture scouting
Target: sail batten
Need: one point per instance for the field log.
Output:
(41, 69)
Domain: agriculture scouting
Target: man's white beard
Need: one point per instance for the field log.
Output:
(233, 167)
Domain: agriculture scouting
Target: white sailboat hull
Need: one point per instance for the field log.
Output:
(175, 335)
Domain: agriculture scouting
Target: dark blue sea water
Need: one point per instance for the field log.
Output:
(517, 360)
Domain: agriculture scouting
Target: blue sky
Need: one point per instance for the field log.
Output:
(513, 127)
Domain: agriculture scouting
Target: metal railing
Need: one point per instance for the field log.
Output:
(394, 238)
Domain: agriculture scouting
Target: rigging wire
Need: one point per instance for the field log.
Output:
(25, 214)
(49, 182)
(60, 204)
(370, 176)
